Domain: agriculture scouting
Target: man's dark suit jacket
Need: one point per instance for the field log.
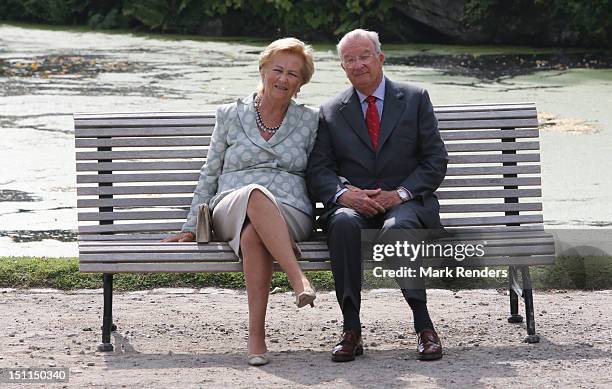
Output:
(411, 152)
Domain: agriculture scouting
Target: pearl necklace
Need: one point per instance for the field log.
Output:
(260, 123)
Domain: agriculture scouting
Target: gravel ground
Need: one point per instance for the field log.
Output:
(196, 338)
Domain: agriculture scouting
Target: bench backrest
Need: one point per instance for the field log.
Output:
(136, 172)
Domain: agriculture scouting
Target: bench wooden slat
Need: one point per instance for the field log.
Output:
(182, 214)
(150, 121)
(307, 266)
(495, 146)
(209, 256)
(142, 215)
(535, 230)
(505, 207)
(491, 220)
(495, 238)
(492, 170)
(517, 261)
(188, 190)
(137, 177)
(80, 116)
(207, 124)
(492, 124)
(193, 177)
(530, 228)
(482, 194)
(145, 238)
(184, 114)
(527, 236)
(191, 247)
(482, 182)
(484, 107)
(154, 248)
(306, 245)
(451, 222)
(486, 114)
(493, 158)
(131, 227)
(447, 134)
(147, 154)
(122, 132)
(201, 153)
(322, 257)
(181, 267)
(497, 233)
(138, 166)
(498, 110)
(490, 134)
(144, 142)
(215, 257)
(135, 202)
(196, 165)
(140, 189)
(205, 141)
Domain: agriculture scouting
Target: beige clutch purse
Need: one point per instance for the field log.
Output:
(204, 224)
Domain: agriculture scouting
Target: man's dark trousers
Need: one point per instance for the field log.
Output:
(344, 241)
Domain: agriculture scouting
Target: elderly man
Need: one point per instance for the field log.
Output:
(376, 163)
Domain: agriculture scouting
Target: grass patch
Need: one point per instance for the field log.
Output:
(63, 273)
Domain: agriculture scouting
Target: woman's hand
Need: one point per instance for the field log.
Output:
(181, 237)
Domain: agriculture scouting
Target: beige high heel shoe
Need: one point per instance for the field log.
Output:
(258, 359)
(307, 297)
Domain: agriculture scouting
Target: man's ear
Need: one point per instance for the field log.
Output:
(381, 57)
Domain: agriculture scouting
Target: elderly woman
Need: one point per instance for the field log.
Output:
(253, 181)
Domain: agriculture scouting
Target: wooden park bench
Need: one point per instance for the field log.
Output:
(136, 173)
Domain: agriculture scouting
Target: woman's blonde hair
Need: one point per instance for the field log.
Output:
(291, 46)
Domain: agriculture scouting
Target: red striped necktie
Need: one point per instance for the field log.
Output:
(373, 121)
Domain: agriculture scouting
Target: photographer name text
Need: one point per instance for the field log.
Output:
(447, 272)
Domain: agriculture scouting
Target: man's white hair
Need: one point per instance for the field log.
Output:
(359, 34)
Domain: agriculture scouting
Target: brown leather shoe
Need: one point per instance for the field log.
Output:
(429, 346)
(350, 345)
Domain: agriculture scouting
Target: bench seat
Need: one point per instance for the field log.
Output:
(154, 256)
(136, 173)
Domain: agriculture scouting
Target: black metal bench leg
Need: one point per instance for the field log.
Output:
(107, 319)
(514, 298)
(531, 337)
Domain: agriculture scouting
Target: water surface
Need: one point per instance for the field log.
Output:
(55, 73)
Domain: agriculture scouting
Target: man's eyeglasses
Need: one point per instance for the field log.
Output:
(351, 62)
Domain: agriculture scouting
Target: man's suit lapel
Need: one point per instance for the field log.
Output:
(394, 107)
(350, 108)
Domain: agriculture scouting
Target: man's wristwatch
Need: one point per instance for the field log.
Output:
(403, 194)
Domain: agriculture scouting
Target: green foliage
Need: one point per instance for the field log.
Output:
(48, 11)
(564, 22)
(561, 22)
(62, 273)
(183, 16)
(324, 19)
